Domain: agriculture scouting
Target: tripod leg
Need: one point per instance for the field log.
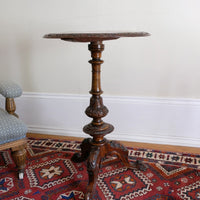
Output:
(85, 151)
(122, 152)
(93, 170)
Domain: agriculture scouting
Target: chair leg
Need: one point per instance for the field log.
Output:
(19, 157)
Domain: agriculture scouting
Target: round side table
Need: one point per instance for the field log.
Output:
(97, 148)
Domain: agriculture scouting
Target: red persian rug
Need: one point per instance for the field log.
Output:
(50, 174)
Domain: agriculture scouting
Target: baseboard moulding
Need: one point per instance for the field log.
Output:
(148, 120)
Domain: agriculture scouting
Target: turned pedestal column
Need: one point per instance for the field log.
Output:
(97, 148)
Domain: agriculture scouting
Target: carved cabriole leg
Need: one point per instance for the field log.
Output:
(19, 157)
(93, 166)
(119, 150)
(85, 151)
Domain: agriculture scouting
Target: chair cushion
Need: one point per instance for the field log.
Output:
(10, 89)
(11, 128)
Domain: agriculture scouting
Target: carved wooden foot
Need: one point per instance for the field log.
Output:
(115, 148)
(93, 166)
(85, 151)
(19, 157)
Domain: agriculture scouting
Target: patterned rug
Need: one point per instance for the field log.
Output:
(51, 175)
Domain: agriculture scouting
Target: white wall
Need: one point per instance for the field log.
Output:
(164, 65)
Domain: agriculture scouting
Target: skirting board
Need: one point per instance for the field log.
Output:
(149, 120)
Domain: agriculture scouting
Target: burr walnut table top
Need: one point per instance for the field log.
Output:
(92, 37)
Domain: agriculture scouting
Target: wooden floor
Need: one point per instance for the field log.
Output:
(160, 147)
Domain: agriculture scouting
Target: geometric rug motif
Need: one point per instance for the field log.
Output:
(55, 144)
(51, 175)
(6, 184)
(72, 195)
(125, 184)
(169, 171)
(191, 191)
(9, 186)
(166, 157)
(5, 159)
(37, 151)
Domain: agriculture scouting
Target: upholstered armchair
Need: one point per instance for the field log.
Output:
(12, 129)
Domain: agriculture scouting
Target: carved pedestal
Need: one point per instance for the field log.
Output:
(97, 148)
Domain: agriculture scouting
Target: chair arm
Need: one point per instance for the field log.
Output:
(10, 89)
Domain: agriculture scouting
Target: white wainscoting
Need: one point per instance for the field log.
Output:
(150, 120)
